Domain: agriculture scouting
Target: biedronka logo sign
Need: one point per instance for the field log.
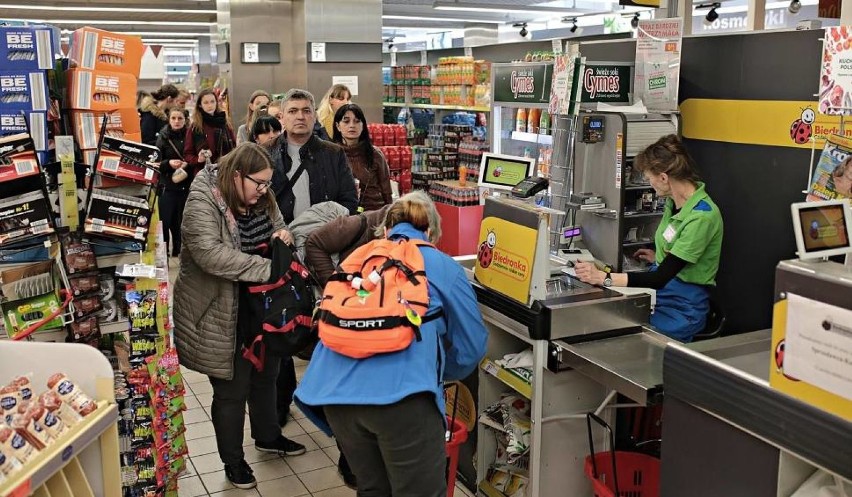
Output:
(497, 267)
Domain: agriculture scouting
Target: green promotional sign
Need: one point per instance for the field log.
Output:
(522, 83)
(606, 83)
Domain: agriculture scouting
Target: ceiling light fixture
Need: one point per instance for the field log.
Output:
(634, 23)
(499, 9)
(107, 9)
(795, 6)
(711, 16)
(447, 19)
(116, 22)
(523, 32)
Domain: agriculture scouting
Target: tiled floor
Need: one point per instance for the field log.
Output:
(311, 474)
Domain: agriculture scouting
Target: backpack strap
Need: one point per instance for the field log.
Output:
(258, 359)
(300, 320)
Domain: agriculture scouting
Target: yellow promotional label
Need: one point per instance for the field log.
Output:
(776, 123)
(801, 390)
(505, 257)
(464, 407)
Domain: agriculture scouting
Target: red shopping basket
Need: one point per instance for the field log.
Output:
(618, 473)
(457, 436)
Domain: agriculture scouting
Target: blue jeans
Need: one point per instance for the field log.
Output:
(681, 309)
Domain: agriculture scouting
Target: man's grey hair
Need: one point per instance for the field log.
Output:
(299, 94)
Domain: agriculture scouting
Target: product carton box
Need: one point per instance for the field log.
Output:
(31, 296)
(27, 47)
(14, 122)
(17, 157)
(121, 123)
(23, 90)
(97, 49)
(100, 90)
(129, 160)
(24, 216)
(117, 215)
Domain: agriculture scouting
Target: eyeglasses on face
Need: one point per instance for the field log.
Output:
(261, 185)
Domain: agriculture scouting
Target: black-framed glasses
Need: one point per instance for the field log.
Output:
(260, 184)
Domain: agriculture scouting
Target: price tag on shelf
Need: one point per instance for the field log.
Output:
(490, 368)
(137, 271)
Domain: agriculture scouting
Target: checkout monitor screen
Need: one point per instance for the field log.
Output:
(822, 228)
(504, 171)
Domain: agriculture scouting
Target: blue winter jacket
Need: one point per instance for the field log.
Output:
(451, 347)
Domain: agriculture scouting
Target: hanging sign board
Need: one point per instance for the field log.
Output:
(608, 83)
(658, 47)
(835, 82)
(526, 83)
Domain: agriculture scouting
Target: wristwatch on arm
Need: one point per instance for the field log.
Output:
(607, 282)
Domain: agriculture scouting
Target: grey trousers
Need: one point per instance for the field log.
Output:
(395, 450)
(229, 407)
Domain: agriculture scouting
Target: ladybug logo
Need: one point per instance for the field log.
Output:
(486, 250)
(779, 360)
(498, 171)
(801, 129)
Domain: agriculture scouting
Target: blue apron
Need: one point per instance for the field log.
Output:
(681, 309)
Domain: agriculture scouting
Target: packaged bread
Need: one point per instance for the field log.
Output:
(71, 394)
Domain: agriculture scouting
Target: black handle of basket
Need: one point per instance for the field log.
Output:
(455, 408)
(589, 417)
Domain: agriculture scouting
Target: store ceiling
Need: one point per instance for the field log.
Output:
(197, 18)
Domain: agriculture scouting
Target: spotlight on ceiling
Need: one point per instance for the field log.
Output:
(711, 16)
(795, 6)
(634, 23)
(523, 32)
(574, 25)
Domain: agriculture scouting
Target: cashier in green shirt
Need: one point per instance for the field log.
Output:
(687, 244)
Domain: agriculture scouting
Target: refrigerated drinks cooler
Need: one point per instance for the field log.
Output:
(520, 124)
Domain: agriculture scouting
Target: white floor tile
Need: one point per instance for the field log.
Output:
(309, 461)
(271, 469)
(200, 430)
(208, 463)
(193, 416)
(321, 479)
(202, 446)
(289, 486)
(292, 429)
(254, 455)
(236, 492)
(205, 399)
(308, 425)
(336, 492)
(217, 482)
(296, 413)
(333, 453)
(200, 388)
(190, 470)
(191, 487)
(191, 401)
(193, 378)
(322, 439)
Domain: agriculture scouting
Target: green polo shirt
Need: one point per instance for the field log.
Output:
(695, 235)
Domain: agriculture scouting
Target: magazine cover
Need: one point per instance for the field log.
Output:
(833, 174)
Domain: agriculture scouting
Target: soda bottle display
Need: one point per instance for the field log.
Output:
(544, 123)
(521, 120)
(533, 118)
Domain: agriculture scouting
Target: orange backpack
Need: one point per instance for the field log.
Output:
(377, 300)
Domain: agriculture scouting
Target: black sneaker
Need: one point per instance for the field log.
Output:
(346, 473)
(240, 475)
(283, 446)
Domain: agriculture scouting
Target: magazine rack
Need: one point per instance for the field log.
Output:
(85, 461)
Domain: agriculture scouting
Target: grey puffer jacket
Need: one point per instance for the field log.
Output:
(206, 290)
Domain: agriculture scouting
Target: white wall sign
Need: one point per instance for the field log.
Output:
(318, 52)
(351, 82)
(251, 53)
(818, 348)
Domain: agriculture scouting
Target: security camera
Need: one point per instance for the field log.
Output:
(711, 16)
(524, 32)
(795, 6)
(634, 23)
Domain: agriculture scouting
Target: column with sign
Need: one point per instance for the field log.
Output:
(658, 46)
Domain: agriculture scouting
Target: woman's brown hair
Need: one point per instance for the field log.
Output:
(248, 158)
(197, 122)
(668, 155)
(250, 113)
(417, 209)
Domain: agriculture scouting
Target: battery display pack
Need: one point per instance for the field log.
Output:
(119, 215)
(24, 216)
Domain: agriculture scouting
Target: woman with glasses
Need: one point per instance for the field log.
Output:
(368, 164)
(229, 212)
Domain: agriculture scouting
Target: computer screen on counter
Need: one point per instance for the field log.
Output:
(822, 228)
(503, 172)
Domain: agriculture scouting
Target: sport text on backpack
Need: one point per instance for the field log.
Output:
(281, 310)
(377, 300)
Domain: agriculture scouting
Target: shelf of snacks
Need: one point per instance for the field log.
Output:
(61, 436)
(517, 384)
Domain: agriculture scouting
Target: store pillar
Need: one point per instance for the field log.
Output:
(351, 34)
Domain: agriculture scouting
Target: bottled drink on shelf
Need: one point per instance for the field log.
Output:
(521, 120)
(544, 123)
(462, 175)
(533, 118)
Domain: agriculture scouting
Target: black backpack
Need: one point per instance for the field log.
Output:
(280, 310)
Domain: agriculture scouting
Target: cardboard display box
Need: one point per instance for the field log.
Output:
(127, 160)
(23, 216)
(17, 157)
(24, 90)
(118, 215)
(27, 47)
(100, 90)
(14, 122)
(30, 295)
(121, 123)
(97, 49)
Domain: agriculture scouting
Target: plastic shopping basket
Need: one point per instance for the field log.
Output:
(618, 473)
